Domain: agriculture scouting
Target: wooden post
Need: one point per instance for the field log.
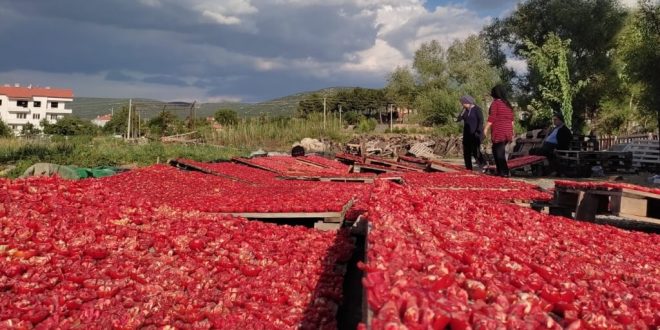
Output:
(128, 129)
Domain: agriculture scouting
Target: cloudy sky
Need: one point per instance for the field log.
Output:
(211, 50)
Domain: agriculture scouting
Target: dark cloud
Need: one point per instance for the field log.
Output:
(118, 76)
(172, 41)
(166, 80)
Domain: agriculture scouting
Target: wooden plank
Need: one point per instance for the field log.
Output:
(469, 188)
(586, 207)
(640, 219)
(359, 168)
(391, 164)
(283, 215)
(249, 163)
(310, 163)
(631, 192)
(633, 206)
(441, 168)
(183, 165)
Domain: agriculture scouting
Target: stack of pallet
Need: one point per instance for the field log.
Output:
(579, 163)
(645, 154)
(588, 199)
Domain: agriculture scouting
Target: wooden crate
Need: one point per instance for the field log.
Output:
(625, 203)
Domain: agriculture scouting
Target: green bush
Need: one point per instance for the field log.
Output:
(367, 125)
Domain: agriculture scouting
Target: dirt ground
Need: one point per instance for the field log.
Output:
(546, 182)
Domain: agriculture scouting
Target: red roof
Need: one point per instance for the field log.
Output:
(29, 92)
(104, 117)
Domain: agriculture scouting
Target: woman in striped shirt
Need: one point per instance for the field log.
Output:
(500, 118)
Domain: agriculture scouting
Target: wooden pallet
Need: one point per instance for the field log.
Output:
(349, 159)
(392, 164)
(626, 203)
(329, 179)
(323, 220)
(580, 162)
(627, 222)
(372, 168)
(189, 167)
(527, 164)
(646, 154)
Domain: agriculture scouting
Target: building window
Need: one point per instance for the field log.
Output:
(37, 104)
(36, 116)
(54, 104)
(21, 115)
(0, 102)
(53, 117)
(22, 103)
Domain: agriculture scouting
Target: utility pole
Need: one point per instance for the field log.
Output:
(391, 123)
(128, 129)
(340, 123)
(324, 98)
(192, 115)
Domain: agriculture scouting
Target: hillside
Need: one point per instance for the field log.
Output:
(90, 107)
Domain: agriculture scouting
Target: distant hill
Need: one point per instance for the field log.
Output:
(91, 107)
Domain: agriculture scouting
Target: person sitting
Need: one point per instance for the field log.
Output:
(558, 139)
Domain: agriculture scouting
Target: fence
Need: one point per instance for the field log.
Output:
(606, 142)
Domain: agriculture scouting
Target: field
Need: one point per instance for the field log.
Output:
(100, 151)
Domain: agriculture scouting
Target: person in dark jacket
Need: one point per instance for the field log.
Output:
(558, 139)
(473, 123)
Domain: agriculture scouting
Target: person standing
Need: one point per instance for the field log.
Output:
(500, 121)
(473, 123)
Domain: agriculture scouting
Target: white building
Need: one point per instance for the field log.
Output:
(22, 105)
(101, 120)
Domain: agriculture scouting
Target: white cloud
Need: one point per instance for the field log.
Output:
(220, 18)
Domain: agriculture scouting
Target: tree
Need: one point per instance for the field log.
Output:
(69, 126)
(469, 69)
(310, 104)
(29, 130)
(166, 123)
(226, 117)
(401, 88)
(119, 122)
(557, 89)
(439, 77)
(640, 49)
(5, 131)
(592, 25)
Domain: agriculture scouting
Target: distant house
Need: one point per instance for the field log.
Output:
(102, 120)
(22, 105)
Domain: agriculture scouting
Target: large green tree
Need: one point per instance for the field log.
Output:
(592, 27)
(640, 50)
(556, 89)
(438, 78)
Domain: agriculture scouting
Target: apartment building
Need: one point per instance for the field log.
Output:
(22, 105)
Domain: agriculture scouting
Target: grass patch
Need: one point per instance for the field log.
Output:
(276, 134)
(101, 151)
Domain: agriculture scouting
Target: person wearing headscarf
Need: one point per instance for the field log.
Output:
(473, 122)
(500, 122)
